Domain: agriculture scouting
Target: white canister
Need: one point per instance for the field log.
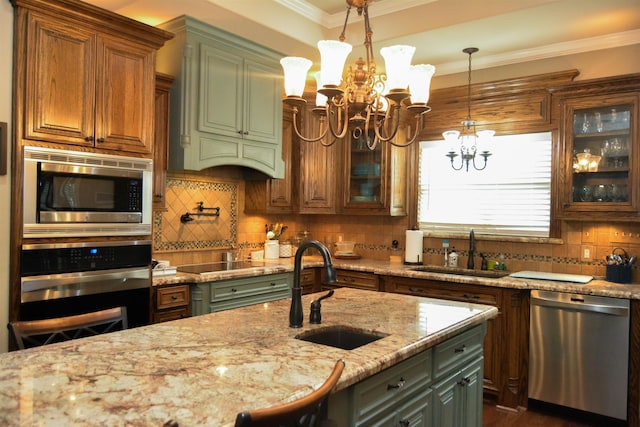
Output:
(271, 249)
(285, 250)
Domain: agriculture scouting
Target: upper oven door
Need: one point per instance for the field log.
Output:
(68, 193)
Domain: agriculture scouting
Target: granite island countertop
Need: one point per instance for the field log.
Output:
(597, 286)
(203, 370)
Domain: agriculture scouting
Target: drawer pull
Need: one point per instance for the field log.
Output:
(396, 386)
(174, 297)
(466, 296)
(460, 349)
(416, 290)
(234, 290)
(404, 423)
(272, 284)
(465, 381)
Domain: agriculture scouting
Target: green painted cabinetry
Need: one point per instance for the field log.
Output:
(440, 387)
(222, 295)
(226, 104)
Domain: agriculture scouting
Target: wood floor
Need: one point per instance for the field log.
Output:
(542, 416)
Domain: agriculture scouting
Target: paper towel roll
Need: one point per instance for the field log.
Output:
(413, 251)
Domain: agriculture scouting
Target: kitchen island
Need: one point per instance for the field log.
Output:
(204, 370)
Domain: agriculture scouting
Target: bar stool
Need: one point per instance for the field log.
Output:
(34, 333)
(304, 412)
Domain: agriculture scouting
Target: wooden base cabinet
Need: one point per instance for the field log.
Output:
(440, 387)
(170, 302)
(506, 345)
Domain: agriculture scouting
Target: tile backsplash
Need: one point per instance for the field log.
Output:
(203, 239)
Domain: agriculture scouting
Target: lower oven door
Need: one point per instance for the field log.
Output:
(54, 286)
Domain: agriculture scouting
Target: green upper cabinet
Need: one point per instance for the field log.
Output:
(226, 104)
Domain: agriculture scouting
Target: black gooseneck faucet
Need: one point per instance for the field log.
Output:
(295, 313)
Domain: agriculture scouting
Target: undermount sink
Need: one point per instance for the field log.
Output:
(461, 271)
(344, 337)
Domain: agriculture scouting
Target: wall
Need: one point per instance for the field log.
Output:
(6, 46)
(374, 234)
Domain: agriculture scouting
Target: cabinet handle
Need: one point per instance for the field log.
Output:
(233, 290)
(399, 385)
(418, 290)
(465, 381)
(565, 205)
(467, 296)
(460, 349)
(243, 132)
(100, 139)
(404, 423)
(174, 297)
(272, 284)
(88, 138)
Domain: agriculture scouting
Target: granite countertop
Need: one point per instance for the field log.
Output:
(598, 286)
(203, 370)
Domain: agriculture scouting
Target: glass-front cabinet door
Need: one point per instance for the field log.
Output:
(364, 172)
(601, 158)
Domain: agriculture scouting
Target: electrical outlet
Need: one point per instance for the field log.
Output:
(587, 253)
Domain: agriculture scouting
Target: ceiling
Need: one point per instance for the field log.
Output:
(505, 31)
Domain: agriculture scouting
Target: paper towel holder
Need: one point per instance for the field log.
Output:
(413, 246)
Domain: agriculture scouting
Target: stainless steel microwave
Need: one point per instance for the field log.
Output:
(69, 193)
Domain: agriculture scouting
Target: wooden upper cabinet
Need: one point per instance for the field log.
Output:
(161, 139)
(89, 76)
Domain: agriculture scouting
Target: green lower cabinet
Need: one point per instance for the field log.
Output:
(440, 387)
(457, 400)
(210, 297)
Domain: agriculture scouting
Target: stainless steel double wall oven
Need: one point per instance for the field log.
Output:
(86, 230)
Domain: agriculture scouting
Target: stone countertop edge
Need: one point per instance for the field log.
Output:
(203, 370)
(597, 287)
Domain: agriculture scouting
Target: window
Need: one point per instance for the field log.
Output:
(512, 196)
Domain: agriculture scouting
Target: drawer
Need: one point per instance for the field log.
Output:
(355, 279)
(445, 290)
(229, 304)
(249, 287)
(387, 388)
(172, 296)
(173, 314)
(458, 350)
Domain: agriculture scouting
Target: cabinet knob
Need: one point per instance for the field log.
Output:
(88, 138)
(174, 297)
(404, 423)
(234, 290)
(100, 139)
(460, 349)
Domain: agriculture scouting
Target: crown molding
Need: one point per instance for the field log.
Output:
(573, 47)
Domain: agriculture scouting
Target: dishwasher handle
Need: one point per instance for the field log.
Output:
(579, 305)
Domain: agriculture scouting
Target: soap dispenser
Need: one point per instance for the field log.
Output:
(453, 257)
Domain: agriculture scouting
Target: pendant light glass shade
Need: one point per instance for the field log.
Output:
(333, 55)
(397, 60)
(321, 100)
(420, 82)
(295, 74)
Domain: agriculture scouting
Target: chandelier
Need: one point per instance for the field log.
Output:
(468, 137)
(365, 102)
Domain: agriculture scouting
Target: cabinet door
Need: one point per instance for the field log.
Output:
(319, 170)
(280, 190)
(600, 158)
(125, 96)
(457, 400)
(60, 86)
(221, 78)
(262, 102)
(161, 139)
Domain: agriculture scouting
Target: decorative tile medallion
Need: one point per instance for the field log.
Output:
(205, 232)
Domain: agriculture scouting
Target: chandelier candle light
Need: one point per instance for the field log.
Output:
(468, 138)
(364, 100)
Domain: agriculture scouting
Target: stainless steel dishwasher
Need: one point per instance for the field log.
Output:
(579, 352)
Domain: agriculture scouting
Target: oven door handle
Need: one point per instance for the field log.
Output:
(578, 305)
(53, 286)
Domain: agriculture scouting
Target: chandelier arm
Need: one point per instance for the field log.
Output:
(413, 139)
(299, 135)
(474, 164)
(345, 121)
(395, 123)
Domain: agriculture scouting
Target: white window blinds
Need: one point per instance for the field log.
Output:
(512, 196)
